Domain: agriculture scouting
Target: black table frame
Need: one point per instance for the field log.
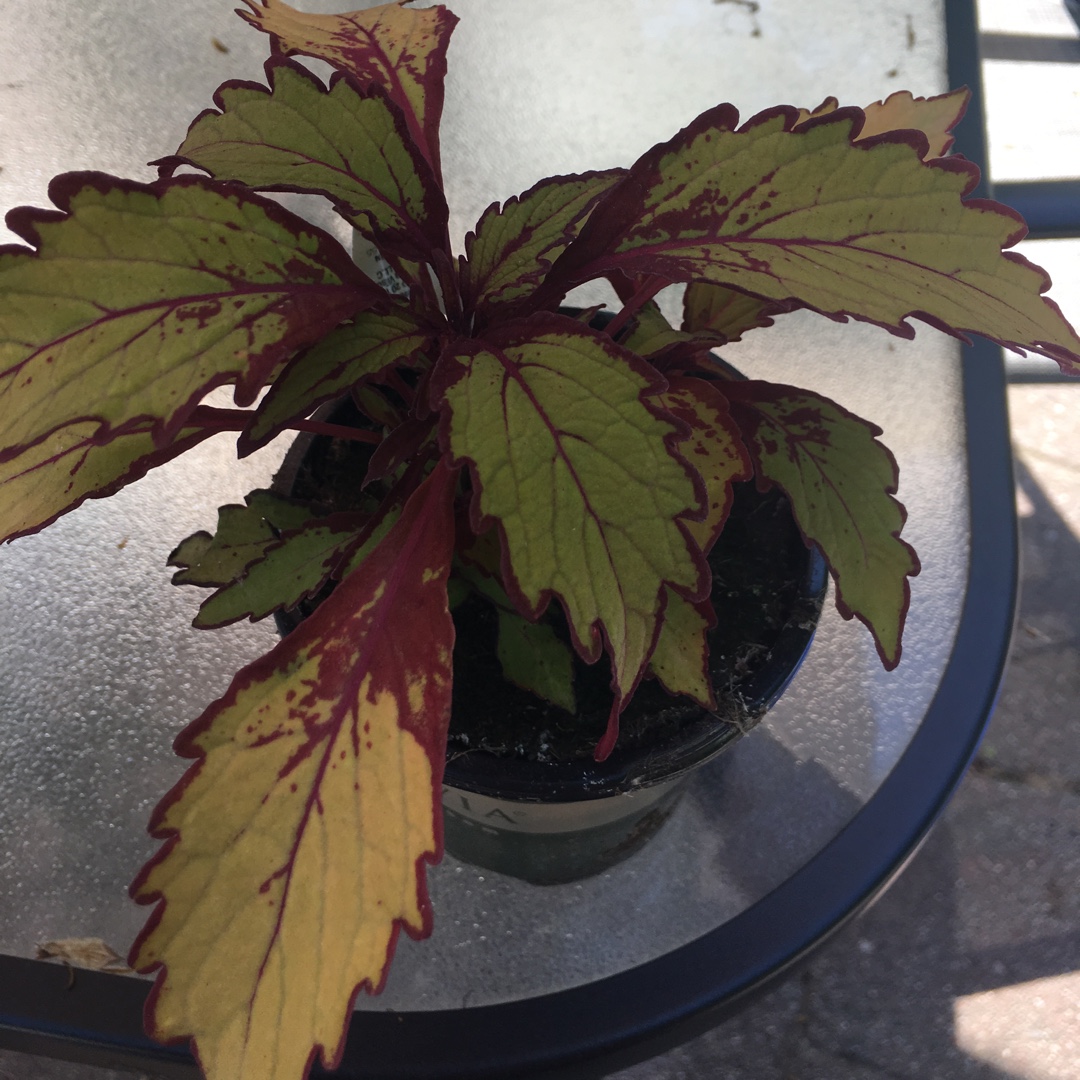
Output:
(586, 1032)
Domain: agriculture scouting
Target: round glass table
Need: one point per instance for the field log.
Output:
(776, 843)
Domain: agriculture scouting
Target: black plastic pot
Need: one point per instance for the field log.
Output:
(532, 815)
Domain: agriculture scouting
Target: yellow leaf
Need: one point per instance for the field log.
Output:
(935, 117)
(681, 655)
(296, 842)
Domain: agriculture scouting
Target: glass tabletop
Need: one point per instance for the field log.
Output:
(100, 666)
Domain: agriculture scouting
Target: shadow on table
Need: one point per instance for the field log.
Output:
(881, 999)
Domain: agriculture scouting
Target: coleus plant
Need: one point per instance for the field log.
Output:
(516, 449)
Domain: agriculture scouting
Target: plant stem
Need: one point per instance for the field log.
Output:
(239, 419)
(337, 431)
(647, 291)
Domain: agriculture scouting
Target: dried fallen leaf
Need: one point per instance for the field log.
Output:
(86, 952)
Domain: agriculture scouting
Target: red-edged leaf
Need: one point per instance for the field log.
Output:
(403, 50)
(840, 481)
(141, 298)
(935, 117)
(575, 465)
(296, 842)
(515, 245)
(649, 334)
(713, 447)
(808, 218)
(68, 467)
(363, 349)
(652, 337)
(348, 144)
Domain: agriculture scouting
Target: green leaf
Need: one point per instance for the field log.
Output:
(575, 465)
(805, 216)
(651, 336)
(840, 481)
(531, 654)
(244, 535)
(725, 313)
(141, 298)
(401, 49)
(351, 146)
(295, 844)
(533, 657)
(67, 467)
(514, 246)
(363, 349)
(293, 568)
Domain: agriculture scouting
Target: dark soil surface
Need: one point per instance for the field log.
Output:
(758, 565)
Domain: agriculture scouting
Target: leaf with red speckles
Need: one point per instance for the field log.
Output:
(514, 245)
(935, 117)
(345, 143)
(402, 49)
(573, 459)
(296, 842)
(137, 301)
(714, 448)
(840, 481)
(807, 218)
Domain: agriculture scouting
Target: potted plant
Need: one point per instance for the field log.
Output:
(532, 454)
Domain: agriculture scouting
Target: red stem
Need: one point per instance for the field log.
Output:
(337, 431)
(239, 419)
(647, 291)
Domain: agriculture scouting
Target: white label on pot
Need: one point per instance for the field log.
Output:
(529, 817)
(366, 255)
